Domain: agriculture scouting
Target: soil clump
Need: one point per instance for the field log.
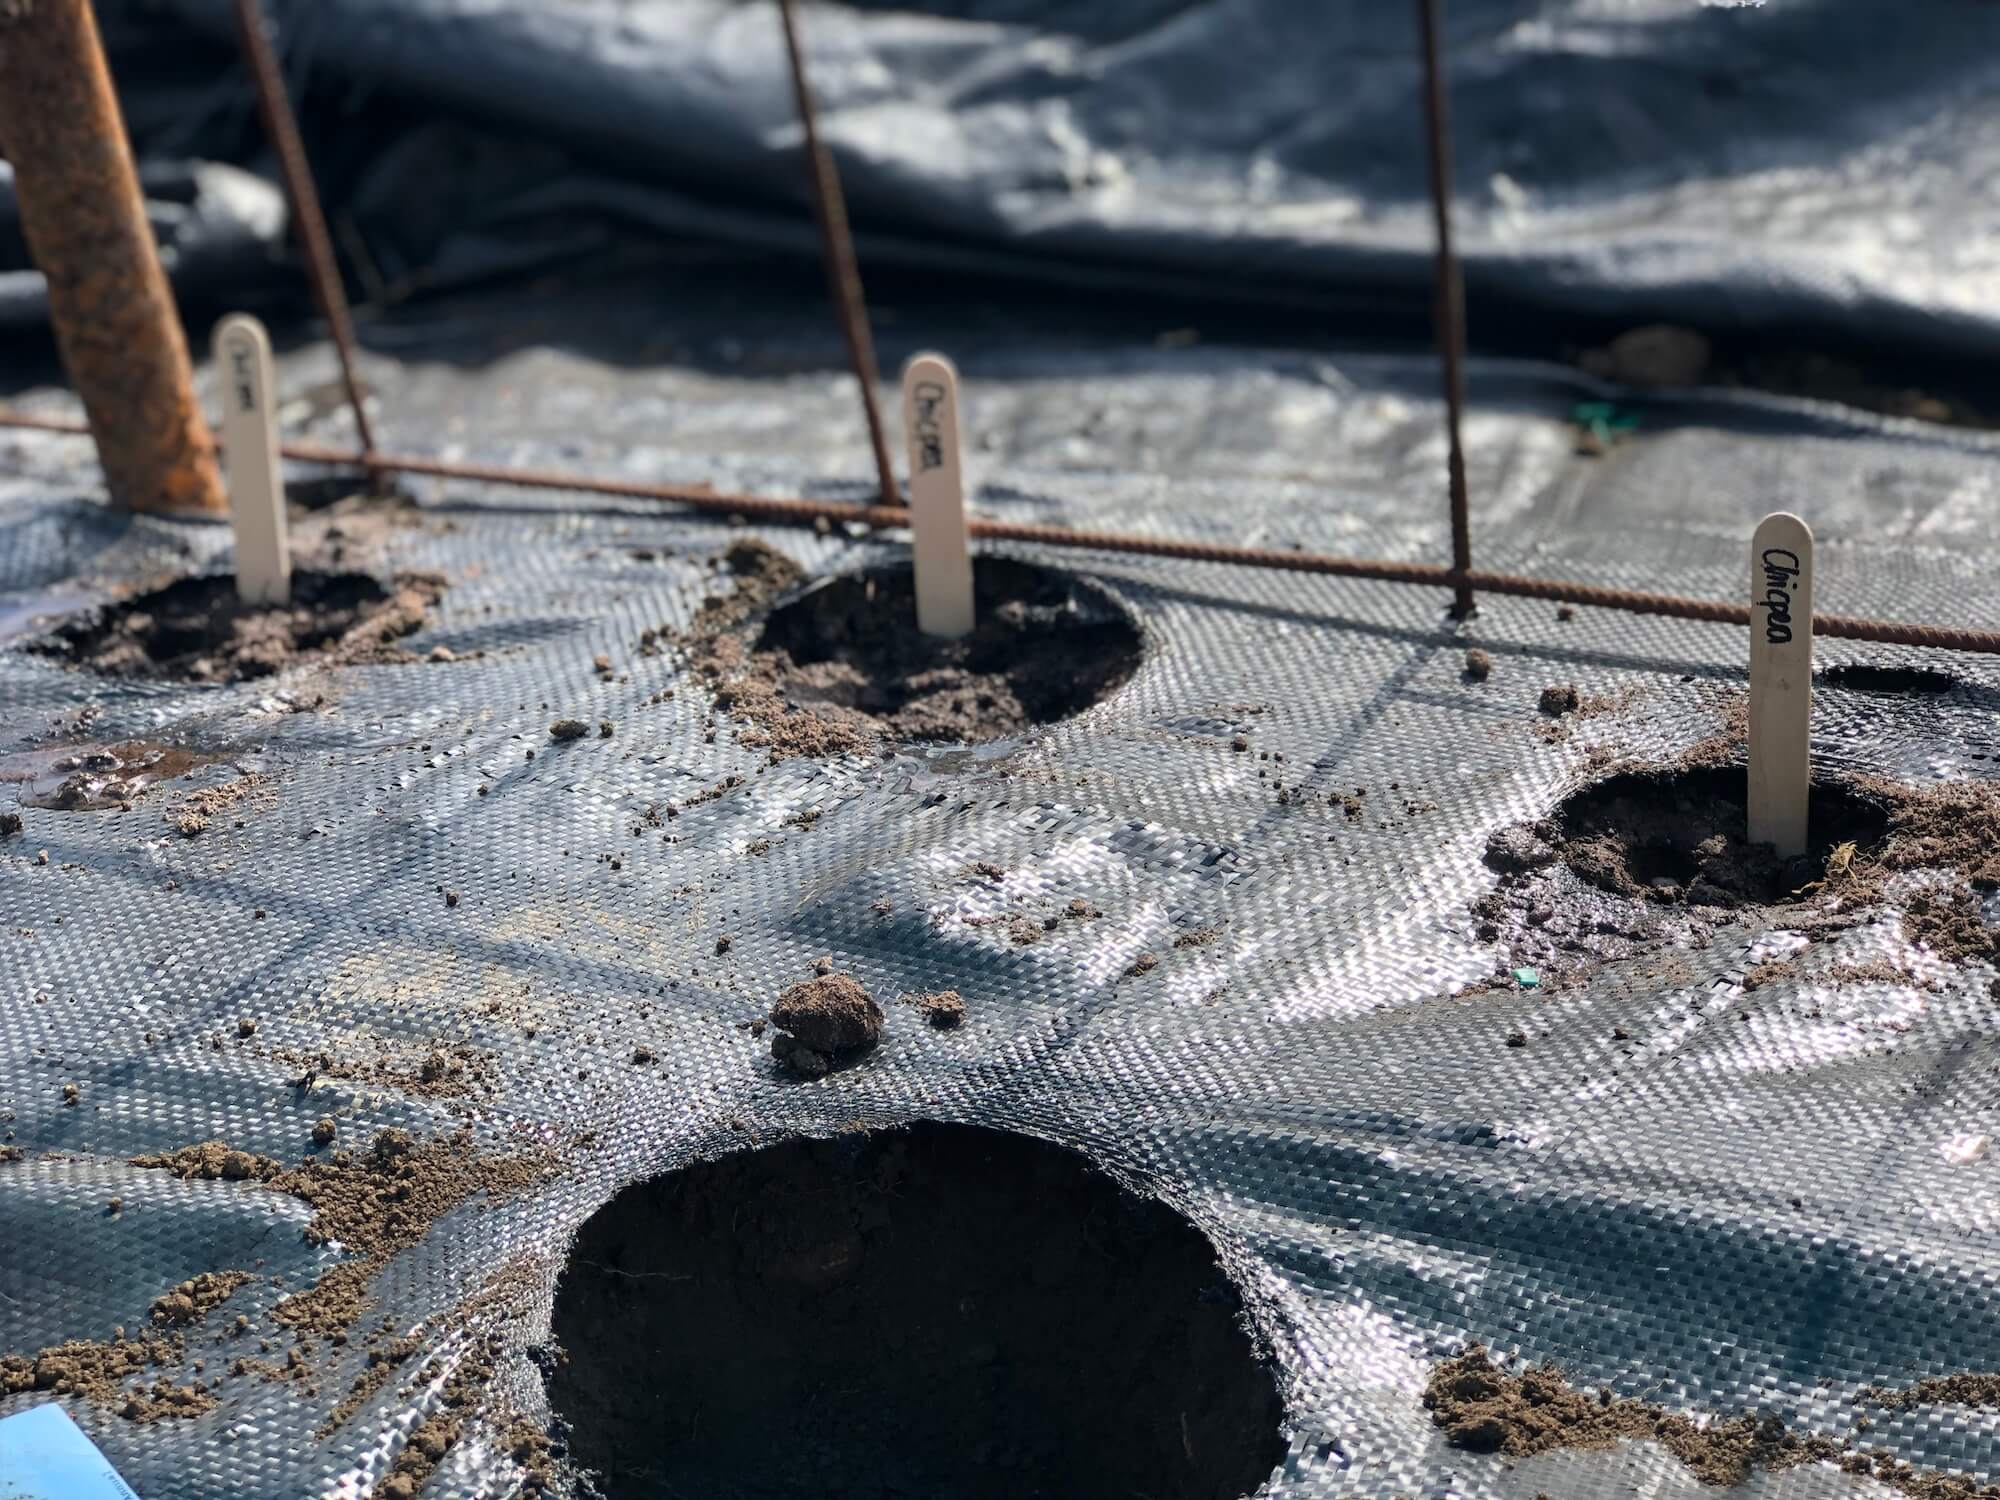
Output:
(825, 1019)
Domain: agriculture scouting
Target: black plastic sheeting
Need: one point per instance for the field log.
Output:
(1801, 164)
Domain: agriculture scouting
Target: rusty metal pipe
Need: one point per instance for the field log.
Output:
(85, 223)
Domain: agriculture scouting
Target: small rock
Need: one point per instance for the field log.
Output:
(71, 1093)
(1517, 1038)
(1559, 698)
(1478, 665)
(1145, 963)
(247, 1026)
(443, 653)
(10, 823)
(567, 729)
(605, 729)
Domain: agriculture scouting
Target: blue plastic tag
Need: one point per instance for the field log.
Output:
(45, 1456)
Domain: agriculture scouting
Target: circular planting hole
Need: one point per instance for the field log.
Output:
(1682, 837)
(1048, 644)
(197, 630)
(938, 1311)
(1895, 682)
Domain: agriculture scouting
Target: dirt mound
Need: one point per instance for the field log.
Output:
(1481, 1407)
(198, 630)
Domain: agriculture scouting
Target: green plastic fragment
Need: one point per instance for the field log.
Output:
(1527, 978)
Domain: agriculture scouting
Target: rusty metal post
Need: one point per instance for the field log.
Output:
(1450, 301)
(85, 223)
(843, 272)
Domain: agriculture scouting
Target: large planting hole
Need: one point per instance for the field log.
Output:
(1892, 682)
(1047, 645)
(198, 630)
(1683, 837)
(938, 1311)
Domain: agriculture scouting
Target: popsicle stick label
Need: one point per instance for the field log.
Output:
(937, 497)
(250, 456)
(1781, 614)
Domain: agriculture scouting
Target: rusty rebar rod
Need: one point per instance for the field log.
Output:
(843, 271)
(1450, 304)
(795, 512)
(274, 104)
(85, 223)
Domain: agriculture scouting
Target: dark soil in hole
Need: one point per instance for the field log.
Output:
(1651, 860)
(196, 629)
(1682, 837)
(1895, 681)
(941, 1311)
(842, 667)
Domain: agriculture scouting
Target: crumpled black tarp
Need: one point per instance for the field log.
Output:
(1756, 168)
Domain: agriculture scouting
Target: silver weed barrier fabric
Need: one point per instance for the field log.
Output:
(1714, 1199)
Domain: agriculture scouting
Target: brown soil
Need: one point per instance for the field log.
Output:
(196, 1298)
(97, 1370)
(944, 1009)
(842, 669)
(374, 1204)
(1683, 838)
(212, 1161)
(193, 813)
(1481, 1407)
(821, 1020)
(1478, 665)
(942, 1311)
(1967, 1389)
(1667, 846)
(197, 630)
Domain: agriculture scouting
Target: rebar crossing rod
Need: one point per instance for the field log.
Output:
(274, 104)
(784, 511)
(1450, 306)
(843, 271)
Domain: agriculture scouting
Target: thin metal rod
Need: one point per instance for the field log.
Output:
(1450, 308)
(843, 271)
(85, 224)
(791, 512)
(275, 105)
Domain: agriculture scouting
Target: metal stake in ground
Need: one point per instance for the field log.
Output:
(1781, 632)
(250, 449)
(937, 497)
(1450, 310)
(85, 224)
(843, 272)
(275, 105)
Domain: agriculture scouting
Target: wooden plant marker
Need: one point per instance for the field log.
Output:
(937, 497)
(1781, 615)
(250, 451)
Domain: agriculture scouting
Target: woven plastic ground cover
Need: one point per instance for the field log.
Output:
(1715, 1199)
